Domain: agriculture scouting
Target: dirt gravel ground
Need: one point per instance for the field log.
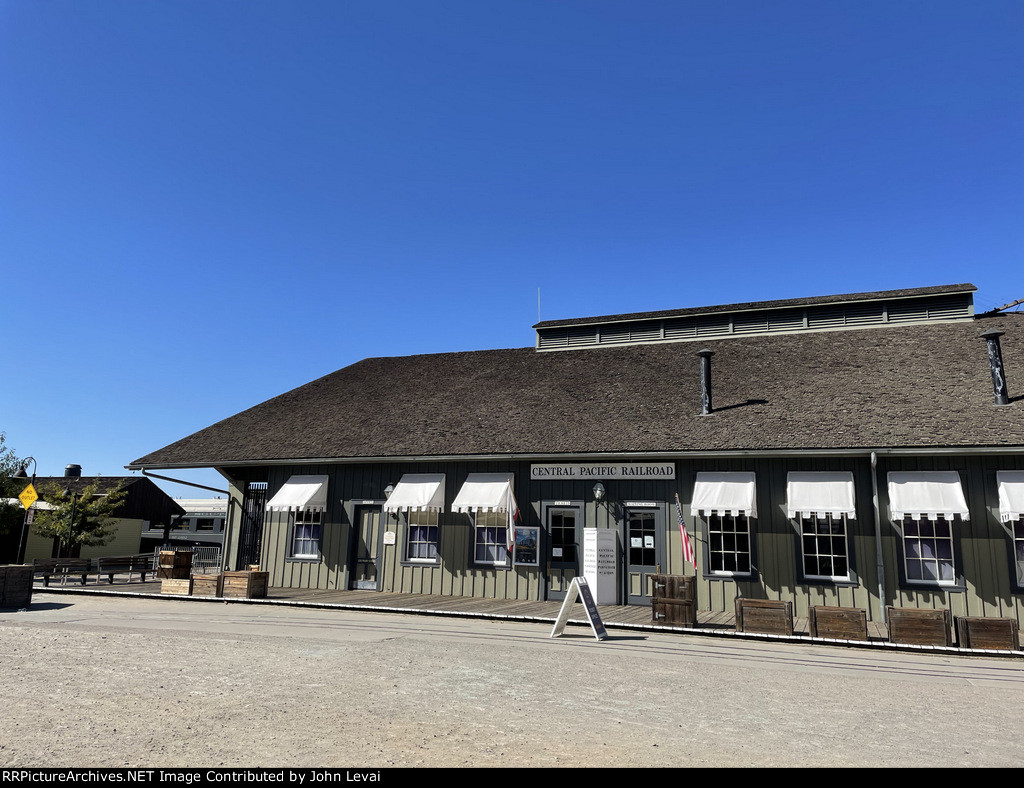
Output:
(106, 682)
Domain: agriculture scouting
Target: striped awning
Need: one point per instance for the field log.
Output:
(417, 492)
(725, 493)
(1011, 495)
(819, 494)
(300, 493)
(926, 494)
(485, 492)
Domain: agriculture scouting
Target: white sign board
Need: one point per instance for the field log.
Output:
(579, 588)
(601, 564)
(613, 470)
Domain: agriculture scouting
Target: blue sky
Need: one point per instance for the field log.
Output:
(205, 203)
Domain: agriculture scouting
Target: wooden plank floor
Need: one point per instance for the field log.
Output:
(612, 615)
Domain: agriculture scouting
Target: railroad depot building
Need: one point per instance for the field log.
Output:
(859, 450)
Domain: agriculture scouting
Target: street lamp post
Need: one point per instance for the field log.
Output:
(21, 474)
(67, 543)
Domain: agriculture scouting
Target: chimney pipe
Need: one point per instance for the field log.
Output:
(705, 381)
(73, 471)
(995, 363)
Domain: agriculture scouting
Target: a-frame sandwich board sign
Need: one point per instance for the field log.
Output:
(580, 588)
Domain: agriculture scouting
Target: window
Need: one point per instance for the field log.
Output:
(182, 524)
(642, 535)
(928, 550)
(306, 531)
(490, 544)
(422, 537)
(728, 544)
(562, 526)
(204, 524)
(1010, 485)
(823, 540)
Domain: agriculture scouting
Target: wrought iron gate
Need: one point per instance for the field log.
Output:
(250, 537)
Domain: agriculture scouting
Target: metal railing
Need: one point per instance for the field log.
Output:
(204, 559)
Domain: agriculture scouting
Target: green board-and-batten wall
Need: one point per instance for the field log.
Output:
(983, 556)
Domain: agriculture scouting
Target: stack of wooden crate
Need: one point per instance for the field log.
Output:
(175, 565)
(174, 569)
(674, 600)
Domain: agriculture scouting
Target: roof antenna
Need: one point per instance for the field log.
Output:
(999, 309)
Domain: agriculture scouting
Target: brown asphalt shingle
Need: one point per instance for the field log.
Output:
(908, 386)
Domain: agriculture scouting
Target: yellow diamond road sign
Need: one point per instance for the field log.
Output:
(28, 496)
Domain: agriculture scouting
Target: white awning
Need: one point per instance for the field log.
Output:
(417, 492)
(725, 493)
(820, 493)
(485, 492)
(300, 493)
(1011, 495)
(926, 494)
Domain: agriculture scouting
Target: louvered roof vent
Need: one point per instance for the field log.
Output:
(822, 313)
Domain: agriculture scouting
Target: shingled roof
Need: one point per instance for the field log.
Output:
(144, 500)
(913, 386)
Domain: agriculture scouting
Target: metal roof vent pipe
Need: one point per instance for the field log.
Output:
(73, 471)
(995, 363)
(705, 381)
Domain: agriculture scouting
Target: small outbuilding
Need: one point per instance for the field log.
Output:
(145, 506)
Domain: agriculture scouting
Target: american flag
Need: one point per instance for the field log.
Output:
(684, 537)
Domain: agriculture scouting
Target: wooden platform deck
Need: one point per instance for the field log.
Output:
(613, 616)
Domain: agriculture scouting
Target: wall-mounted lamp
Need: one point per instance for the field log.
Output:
(598, 491)
(388, 490)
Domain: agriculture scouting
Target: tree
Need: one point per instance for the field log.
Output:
(11, 514)
(81, 514)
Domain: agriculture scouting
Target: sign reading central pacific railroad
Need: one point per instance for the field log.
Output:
(613, 470)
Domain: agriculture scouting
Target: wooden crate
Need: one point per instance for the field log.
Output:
(840, 623)
(178, 586)
(765, 616)
(920, 627)
(987, 633)
(679, 612)
(246, 585)
(174, 564)
(674, 587)
(208, 585)
(16, 585)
